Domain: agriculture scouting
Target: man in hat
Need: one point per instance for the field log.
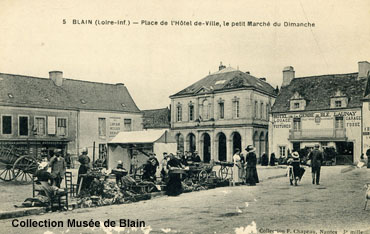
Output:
(316, 157)
(58, 167)
(164, 170)
(251, 170)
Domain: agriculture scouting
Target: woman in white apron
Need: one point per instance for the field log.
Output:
(237, 167)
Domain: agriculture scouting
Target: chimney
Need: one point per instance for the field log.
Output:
(288, 75)
(221, 66)
(56, 77)
(263, 79)
(363, 69)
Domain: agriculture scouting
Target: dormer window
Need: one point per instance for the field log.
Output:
(338, 100)
(297, 102)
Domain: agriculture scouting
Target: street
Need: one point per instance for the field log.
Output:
(273, 205)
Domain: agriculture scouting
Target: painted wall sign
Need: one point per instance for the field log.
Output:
(114, 126)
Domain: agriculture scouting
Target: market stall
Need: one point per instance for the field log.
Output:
(133, 148)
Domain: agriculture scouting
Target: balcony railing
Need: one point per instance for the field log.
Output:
(315, 134)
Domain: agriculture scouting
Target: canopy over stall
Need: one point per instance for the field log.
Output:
(133, 148)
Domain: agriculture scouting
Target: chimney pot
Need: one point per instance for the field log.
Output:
(288, 75)
(363, 69)
(221, 66)
(56, 77)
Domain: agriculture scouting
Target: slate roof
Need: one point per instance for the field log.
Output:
(18, 90)
(317, 91)
(156, 118)
(225, 79)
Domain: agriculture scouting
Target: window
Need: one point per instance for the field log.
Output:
(62, 126)
(102, 127)
(206, 109)
(191, 112)
(297, 124)
(40, 126)
(338, 103)
(339, 124)
(127, 125)
(179, 113)
(255, 109)
(23, 125)
(222, 110)
(236, 109)
(6, 125)
(267, 111)
(261, 111)
(282, 151)
(296, 105)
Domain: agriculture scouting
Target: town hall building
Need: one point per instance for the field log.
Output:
(224, 111)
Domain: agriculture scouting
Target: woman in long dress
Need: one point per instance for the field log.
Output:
(251, 171)
(237, 167)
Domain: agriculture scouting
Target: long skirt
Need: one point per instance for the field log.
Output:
(236, 174)
(251, 176)
(174, 186)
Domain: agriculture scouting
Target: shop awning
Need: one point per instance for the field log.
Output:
(143, 137)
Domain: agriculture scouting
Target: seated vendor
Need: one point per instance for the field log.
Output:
(119, 175)
(174, 186)
(149, 170)
(45, 180)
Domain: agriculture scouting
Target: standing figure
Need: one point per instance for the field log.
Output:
(164, 170)
(84, 167)
(316, 158)
(237, 167)
(251, 172)
(58, 168)
(294, 169)
(272, 159)
(174, 186)
(264, 159)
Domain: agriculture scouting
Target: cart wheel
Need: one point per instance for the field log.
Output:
(223, 172)
(8, 174)
(25, 167)
(203, 176)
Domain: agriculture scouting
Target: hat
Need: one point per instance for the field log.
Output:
(84, 150)
(250, 148)
(119, 162)
(164, 152)
(295, 154)
(42, 165)
(317, 146)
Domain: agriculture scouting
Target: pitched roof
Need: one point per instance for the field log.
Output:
(156, 118)
(317, 91)
(225, 79)
(18, 90)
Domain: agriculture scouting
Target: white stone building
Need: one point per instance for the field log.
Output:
(225, 110)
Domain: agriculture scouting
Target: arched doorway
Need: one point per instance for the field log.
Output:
(180, 142)
(221, 147)
(237, 141)
(191, 142)
(206, 148)
(261, 144)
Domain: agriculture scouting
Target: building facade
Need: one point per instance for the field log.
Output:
(40, 114)
(224, 111)
(325, 110)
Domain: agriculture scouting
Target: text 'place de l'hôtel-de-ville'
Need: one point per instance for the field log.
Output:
(221, 112)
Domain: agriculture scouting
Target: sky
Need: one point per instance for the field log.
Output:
(157, 61)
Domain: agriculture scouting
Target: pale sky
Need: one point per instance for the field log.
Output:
(155, 62)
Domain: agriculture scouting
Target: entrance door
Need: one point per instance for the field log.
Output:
(206, 148)
(222, 147)
(296, 146)
(345, 153)
(237, 142)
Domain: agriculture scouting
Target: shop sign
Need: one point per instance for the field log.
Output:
(114, 126)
